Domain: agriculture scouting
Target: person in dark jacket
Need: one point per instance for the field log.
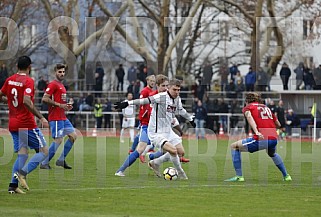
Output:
(200, 117)
(120, 73)
(250, 79)
(285, 74)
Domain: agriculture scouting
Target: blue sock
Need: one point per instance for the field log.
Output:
(18, 164)
(279, 163)
(67, 147)
(34, 162)
(129, 161)
(237, 163)
(155, 155)
(52, 150)
(135, 143)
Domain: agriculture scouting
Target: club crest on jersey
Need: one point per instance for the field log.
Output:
(171, 108)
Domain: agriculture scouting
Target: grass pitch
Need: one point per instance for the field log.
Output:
(91, 189)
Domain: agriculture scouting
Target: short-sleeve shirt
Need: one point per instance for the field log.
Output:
(57, 92)
(145, 110)
(15, 88)
(264, 119)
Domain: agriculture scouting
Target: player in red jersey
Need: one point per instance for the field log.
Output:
(19, 90)
(144, 114)
(263, 123)
(56, 98)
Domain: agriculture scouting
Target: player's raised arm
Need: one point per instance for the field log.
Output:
(142, 101)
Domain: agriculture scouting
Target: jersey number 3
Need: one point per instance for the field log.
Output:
(14, 92)
(265, 112)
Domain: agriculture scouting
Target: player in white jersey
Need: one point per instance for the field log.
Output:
(164, 107)
(128, 119)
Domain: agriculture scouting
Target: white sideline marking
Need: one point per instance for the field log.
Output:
(173, 186)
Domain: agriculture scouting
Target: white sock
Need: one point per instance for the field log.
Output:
(122, 134)
(131, 134)
(177, 163)
(164, 158)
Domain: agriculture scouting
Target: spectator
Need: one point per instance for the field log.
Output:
(239, 88)
(224, 77)
(271, 105)
(238, 77)
(98, 109)
(308, 79)
(223, 108)
(183, 93)
(41, 86)
(132, 75)
(262, 80)
(250, 79)
(285, 74)
(120, 73)
(99, 76)
(107, 108)
(317, 78)
(234, 109)
(233, 71)
(230, 89)
(292, 121)
(280, 114)
(142, 74)
(200, 117)
(269, 71)
(207, 76)
(299, 71)
(3, 74)
(216, 118)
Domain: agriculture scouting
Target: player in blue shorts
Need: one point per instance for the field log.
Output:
(56, 98)
(19, 90)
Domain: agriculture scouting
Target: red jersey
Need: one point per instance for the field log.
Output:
(145, 110)
(57, 92)
(264, 119)
(15, 88)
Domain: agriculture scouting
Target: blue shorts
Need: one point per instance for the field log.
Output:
(60, 129)
(33, 139)
(143, 136)
(256, 145)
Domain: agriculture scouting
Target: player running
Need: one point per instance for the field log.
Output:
(263, 123)
(165, 106)
(19, 90)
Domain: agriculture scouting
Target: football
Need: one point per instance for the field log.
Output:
(170, 173)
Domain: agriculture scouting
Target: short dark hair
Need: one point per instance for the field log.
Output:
(23, 62)
(175, 82)
(60, 66)
(161, 79)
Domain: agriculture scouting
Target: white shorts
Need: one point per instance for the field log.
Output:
(158, 139)
(128, 122)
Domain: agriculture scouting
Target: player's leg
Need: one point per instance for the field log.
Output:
(35, 139)
(57, 134)
(72, 136)
(143, 141)
(122, 131)
(131, 129)
(134, 144)
(236, 149)
(277, 160)
(22, 156)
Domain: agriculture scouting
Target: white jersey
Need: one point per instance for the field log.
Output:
(129, 111)
(164, 109)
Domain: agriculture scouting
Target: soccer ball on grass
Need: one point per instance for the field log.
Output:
(170, 173)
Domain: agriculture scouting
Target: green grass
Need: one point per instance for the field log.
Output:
(91, 189)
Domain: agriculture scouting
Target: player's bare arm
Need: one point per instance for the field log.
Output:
(46, 99)
(252, 124)
(31, 107)
(277, 124)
